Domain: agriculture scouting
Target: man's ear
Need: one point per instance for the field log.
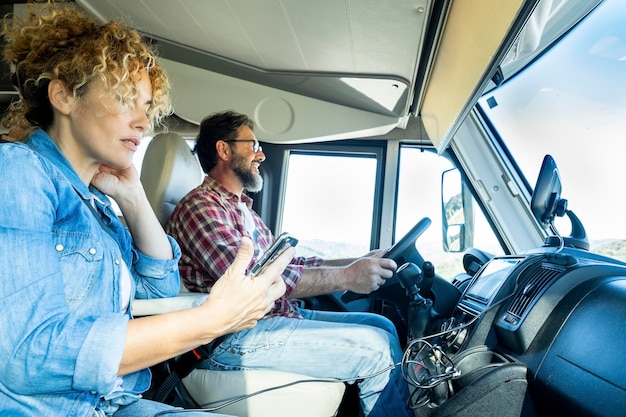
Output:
(223, 150)
(60, 97)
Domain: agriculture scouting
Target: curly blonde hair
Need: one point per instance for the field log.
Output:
(63, 43)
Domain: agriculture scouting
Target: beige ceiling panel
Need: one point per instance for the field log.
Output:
(472, 36)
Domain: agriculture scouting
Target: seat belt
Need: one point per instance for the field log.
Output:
(182, 365)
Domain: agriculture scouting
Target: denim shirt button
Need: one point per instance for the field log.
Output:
(92, 251)
(117, 262)
(58, 247)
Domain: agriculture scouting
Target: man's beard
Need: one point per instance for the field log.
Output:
(251, 181)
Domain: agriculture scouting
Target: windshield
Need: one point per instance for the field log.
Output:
(571, 104)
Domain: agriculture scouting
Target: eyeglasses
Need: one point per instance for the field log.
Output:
(256, 146)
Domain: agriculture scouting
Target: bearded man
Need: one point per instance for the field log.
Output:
(209, 223)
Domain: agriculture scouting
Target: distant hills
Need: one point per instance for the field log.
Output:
(448, 264)
(615, 249)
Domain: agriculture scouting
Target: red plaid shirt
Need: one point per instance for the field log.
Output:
(208, 226)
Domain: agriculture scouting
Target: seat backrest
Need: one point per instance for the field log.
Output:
(169, 171)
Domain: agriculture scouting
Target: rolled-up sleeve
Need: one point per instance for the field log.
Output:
(293, 271)
(94, 369)
(157, 277)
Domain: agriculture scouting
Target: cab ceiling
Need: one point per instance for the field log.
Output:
(326, 69)
(303, 69)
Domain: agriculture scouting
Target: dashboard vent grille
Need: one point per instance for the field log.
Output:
(532, 287)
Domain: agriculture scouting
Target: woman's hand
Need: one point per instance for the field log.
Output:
(236, 302)
(124, 186)
(120, 184)
(240, 300)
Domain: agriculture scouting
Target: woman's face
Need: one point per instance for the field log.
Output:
(104, 130)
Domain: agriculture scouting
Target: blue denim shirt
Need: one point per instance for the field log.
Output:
(62, 329)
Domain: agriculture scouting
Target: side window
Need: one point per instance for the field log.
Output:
(329, 203)
(570, 103)
(419, 195)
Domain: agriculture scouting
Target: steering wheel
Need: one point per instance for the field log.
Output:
(408, 240)
(396, 252)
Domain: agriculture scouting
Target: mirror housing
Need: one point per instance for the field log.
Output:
(457, 212)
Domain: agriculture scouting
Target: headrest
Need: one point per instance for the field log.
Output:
(169, 171)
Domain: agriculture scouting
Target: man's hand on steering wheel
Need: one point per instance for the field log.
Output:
(368, 274)
(407, 243)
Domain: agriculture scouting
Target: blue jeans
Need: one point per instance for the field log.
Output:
(326, 345)
(147, 408)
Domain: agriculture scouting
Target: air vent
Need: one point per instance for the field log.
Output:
(458, 282)
(539, 278)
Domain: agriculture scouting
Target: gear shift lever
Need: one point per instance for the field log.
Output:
(429, 277)
(420, 308)
(411, 277)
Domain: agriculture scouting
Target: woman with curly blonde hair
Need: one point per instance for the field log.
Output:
(88, 93)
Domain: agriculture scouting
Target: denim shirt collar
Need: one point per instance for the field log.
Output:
(41, 142)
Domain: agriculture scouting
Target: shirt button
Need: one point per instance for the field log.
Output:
(59, 247)
(117, 262)
(92, 251)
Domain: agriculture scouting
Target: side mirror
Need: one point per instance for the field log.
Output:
(457, 212)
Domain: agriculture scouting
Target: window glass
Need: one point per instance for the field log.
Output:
(419, 195)
(329, 203)
(571, 104)
(141, 152)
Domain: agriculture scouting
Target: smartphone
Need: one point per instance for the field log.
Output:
(283, 241)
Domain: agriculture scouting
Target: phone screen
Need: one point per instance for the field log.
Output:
(283, 241)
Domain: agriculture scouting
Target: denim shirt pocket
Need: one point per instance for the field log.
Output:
(81, 257)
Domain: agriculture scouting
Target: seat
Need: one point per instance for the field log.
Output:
(170, 171)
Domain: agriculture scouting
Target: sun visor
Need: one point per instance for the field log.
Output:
(473, 37)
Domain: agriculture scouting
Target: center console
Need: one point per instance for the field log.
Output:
(492, 285)
(512, 321)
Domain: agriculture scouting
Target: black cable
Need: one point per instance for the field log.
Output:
(439, 366)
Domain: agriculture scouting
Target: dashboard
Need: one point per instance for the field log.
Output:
(559, 316)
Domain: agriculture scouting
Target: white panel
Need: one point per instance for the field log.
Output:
(282, 116)
(353, 36)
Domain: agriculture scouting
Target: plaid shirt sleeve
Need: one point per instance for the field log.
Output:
(307, 262)
(209, 229)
